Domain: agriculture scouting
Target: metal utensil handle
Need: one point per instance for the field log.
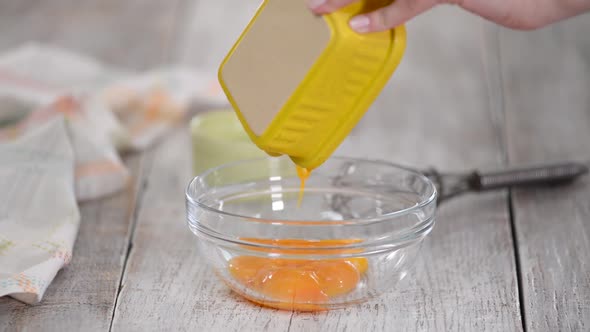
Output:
(545, 175)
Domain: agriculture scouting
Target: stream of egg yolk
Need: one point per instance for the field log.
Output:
(303, 174)
(297, 284)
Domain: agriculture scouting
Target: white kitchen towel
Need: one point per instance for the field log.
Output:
(109, 110)
(98, 168)
(39, 216)
(149, 104)
(67, 117)
(145, 105)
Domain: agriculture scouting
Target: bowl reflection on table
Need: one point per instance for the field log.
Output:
(354, 236)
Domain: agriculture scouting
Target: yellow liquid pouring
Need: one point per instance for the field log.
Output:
(303, 174)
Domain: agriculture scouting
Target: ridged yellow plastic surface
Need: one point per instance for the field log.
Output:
(336, 92)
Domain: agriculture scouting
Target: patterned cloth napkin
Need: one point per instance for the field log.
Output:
(64, 119)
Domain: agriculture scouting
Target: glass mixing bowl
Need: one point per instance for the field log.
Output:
(352, 236)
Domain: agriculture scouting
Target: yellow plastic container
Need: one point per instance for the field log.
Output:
(299, 82)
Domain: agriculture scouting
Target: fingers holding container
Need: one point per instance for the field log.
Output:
(384, 18)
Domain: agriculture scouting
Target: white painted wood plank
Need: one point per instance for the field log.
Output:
(547, 87)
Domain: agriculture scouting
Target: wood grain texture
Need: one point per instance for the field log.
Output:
(465, 278)
(82, 295)
(465, 96)
(547, 91)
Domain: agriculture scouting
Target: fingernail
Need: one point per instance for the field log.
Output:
(360, 23)
(314, 4)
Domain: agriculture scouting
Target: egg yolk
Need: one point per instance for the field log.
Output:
(298, 284)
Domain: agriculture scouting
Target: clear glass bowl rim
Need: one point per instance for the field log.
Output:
(431, 198)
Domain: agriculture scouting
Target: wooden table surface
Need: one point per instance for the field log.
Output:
(467, 95)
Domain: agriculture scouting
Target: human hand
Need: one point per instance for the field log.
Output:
(515, 14)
